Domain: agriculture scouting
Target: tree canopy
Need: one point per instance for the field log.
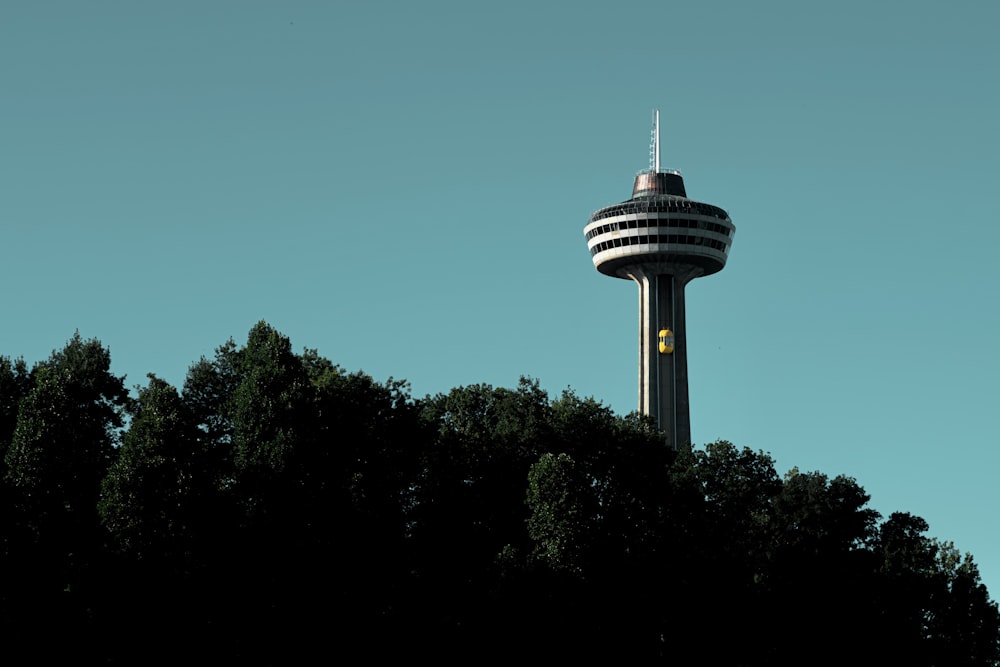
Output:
(278, 507)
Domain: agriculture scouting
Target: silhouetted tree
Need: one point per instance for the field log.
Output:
(67, 427)
(158, 484)
(281, 508)
(15, 382)
(562, 509)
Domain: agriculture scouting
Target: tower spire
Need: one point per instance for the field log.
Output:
(656, 140)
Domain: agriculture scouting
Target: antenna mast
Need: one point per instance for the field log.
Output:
(656, 140)
(654, 144)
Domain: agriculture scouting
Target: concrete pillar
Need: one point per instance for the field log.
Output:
(663, 381)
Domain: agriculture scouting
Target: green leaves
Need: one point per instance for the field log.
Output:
(268, 403)
(14, 385)
(818, 515)
(67, 427)
(561, 512)
(153, 491)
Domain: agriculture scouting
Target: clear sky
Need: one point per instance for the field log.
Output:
(404, 186)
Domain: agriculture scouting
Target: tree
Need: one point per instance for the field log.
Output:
(67, 426)
(208, 393)
(934, 607)
(66, 431)
(156, 505)
(561, 512)
(963, 623)
(626, 468)
(819, 516)
(14, 385)
(157, 486)
(819, 573)
(281, 503)
(737, 488)
(469, 497)
(267, 405)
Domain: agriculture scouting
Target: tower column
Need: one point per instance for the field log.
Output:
(663, 383)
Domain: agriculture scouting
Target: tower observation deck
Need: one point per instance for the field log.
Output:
(662, 240)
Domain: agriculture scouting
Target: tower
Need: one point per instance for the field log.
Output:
(662, 240)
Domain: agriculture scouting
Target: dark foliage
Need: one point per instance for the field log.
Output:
(280, 510)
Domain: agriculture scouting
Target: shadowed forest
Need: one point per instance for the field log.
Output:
(278, 509)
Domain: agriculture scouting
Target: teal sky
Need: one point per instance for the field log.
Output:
(404, 186)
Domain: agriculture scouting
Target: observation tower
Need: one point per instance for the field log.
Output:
(662, 240)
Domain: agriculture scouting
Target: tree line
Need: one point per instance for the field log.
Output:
(277, 508)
